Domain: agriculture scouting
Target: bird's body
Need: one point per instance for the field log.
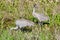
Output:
(23, 23)
(41, 17)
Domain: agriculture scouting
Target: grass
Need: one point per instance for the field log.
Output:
(11, 10)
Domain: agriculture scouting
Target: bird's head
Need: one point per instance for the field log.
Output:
(35, 5)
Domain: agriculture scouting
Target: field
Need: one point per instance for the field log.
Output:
(11, 10)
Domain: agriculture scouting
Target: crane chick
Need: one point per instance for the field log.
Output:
(22, 23)
(40, 16)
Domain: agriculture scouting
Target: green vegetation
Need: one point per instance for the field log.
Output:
(10, 10)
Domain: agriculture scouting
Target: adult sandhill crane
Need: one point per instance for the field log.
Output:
(40, 16)
(23, 23)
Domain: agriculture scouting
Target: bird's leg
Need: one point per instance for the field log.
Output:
(40, 23)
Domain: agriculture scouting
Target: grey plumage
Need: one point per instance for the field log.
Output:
(40, 16)
(23, 23)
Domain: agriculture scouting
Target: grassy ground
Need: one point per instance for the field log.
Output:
(10, 10)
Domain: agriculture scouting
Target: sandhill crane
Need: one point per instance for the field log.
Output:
(40, 16)
(23, 23)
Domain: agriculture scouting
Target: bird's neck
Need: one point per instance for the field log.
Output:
(33, 10)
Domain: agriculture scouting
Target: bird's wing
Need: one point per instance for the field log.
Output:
(42, 17)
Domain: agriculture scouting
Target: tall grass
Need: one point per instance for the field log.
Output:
(10, 10)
